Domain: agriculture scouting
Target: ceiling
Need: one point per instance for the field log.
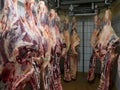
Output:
(76, 7)
(80, 7)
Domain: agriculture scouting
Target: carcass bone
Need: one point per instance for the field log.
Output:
(37, 74)
(21, 79)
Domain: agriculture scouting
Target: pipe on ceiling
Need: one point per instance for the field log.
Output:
(80, 1)
(85, 14)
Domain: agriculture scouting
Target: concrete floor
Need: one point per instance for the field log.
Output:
(82, 84)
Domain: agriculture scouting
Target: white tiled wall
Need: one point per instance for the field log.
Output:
(87, 25)
(21, 11)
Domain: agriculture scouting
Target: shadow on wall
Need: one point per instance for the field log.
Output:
(1, 4)
(62, 65)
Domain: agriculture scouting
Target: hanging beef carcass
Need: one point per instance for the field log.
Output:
(9, 37)
(8, 17)
(74, 42)
(105, 50)
(49, 67)
(58, 52)
(36, 35)
(20, 46)
(56, 49)
(42, 24)
(65, 48)
(93, 41)
(6, 23)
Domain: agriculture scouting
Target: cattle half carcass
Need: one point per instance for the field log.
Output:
(66, 45)
(74, 42)
(93, 41)
(108, 41)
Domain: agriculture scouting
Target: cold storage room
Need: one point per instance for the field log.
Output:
(59, 45)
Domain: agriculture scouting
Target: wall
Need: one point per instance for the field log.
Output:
(116, 26)
(84, 28)
(21, 11)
